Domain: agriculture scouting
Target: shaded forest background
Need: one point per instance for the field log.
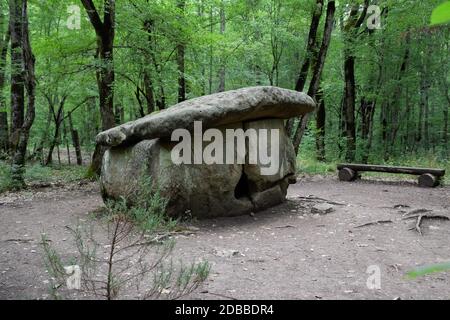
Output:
(377, 69)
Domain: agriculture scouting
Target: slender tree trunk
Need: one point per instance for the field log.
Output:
(148, 89)
(422, 132)
(303, 74)
(181, 59)
(148, 83)
(200, 14)
(367, 113)
(58, 118)
(38, 152)
(4, 133)
(341, 128)
(369, 104)
(395, 112)
(426, 122)
(66, 140)
(349, 103)
(445, 87)
(119, 113)
(320, 127)
(445, 129)
(311, 46)
(105, 31)
(75, 141)
(350, 30)
(4, 43)
(222, 69)
(319, 63)
(211, 52)
(408, 121)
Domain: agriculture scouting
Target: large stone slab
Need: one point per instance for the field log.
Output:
(214, 110)
(201, 190)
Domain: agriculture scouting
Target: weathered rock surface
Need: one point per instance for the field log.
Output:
(213, 110)
(204, 190)
(211, 190)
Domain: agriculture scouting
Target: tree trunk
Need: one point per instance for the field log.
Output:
(57, 118)
(38, 153)
(4, 42)
(367, 113)
(222, 69)
(350, 30)
(319, 63)
(4, 133)
(445, 129)
(303, 74)
(445, 87)
(119, 113)
(311, 46)
(211, 58)
(349, 107)
(320, 127)
(180, 59)
(17, 74)
(105, 31)
(66, 140)
(148, 90)
(395, 113)
(75, 141)
(18, 12)
(148, 83)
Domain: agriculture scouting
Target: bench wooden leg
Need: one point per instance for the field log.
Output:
(347, 174)
(428, 180)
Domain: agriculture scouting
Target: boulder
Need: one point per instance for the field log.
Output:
(208, 190)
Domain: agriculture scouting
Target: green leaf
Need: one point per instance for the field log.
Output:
(441, 14)
(422, 271)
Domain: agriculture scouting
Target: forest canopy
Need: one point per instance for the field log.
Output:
(378, 70)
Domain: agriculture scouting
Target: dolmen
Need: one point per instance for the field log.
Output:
(224, 154)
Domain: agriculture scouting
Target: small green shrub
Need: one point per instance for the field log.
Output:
(138, 245)
(36, 173)
(5, 177)
(427, 270)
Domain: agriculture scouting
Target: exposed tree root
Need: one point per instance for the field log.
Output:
(379, 222)
(317, 199)
(421, 217)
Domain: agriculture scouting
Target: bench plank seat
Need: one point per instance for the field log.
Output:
(428, 177)
(392, 169)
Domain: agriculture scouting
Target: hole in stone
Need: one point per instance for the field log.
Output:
(242, 189)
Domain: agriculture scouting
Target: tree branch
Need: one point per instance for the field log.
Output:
(94, 18)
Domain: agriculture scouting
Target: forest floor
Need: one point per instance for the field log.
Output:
(287, 252)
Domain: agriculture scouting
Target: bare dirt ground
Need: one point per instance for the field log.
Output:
(287, 252)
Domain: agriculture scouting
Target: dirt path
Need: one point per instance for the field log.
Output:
(283, 253)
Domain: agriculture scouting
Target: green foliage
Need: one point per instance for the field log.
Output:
(5, 177)
(427, 270)
(148, 205)
(441, 14)
(53, 265)
(263, 43)
(37, 174)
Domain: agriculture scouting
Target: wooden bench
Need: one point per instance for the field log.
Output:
(427, 177)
